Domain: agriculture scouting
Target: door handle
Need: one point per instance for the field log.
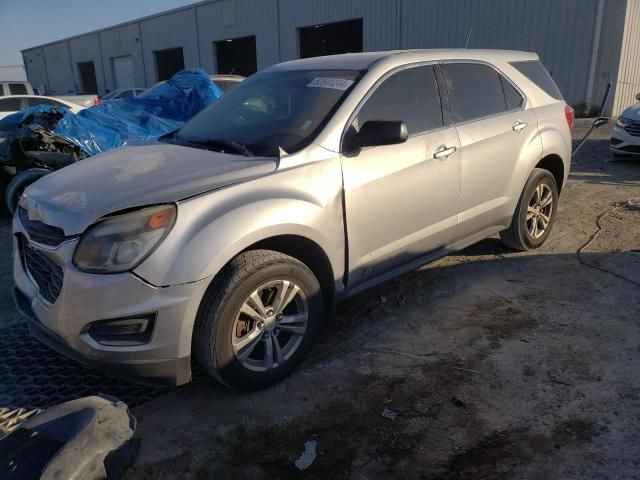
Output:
(519, 126)
(444, 152)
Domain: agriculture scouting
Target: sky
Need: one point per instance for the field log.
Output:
(28, 23)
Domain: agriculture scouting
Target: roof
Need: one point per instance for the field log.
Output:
(363, 61)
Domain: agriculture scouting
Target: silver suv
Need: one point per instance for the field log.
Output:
(309, 182)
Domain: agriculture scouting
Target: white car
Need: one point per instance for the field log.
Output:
(15, 103)
(625, 138)
(123, 93)
(17, 87)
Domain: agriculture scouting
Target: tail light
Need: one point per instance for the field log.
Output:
(96, 101)
(570, 115)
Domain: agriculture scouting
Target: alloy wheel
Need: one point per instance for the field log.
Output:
(539, 211)
(270, 325)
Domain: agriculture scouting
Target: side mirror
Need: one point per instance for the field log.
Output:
(379, 132)
(600, 121)
(638, 97)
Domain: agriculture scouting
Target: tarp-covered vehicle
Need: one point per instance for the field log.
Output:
(42, 139)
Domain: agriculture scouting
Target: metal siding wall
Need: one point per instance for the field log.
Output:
(172, 30)
(34, 62)
(628, 82)
(59, 68)
(560, 31)
(252, 17)
(87, 49)
(380, 25)
(608, 63)
(119, 42)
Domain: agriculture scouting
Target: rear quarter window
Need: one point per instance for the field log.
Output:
(535, 71)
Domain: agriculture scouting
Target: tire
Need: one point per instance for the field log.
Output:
(19, 183)
(222, 328)
(529, 233)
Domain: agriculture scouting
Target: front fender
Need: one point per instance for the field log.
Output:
(211, 229)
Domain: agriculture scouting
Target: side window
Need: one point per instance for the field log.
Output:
(18, 89)
(125, 94)
(511, 96)
(1, 90)
(475, 90)
(410, 95)
(10, 104)
(44, 101)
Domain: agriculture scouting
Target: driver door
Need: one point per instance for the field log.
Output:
(401, 200)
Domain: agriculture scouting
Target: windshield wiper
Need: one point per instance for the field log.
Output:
(221, 142)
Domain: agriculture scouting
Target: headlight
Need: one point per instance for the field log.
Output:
(623, 122)
(120, 243)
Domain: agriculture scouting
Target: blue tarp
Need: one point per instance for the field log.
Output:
(114, 123)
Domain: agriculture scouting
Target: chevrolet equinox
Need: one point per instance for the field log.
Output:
(230, 238)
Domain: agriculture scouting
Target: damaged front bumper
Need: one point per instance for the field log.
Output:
(61, 304)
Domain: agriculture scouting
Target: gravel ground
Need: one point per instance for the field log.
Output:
(485, 364)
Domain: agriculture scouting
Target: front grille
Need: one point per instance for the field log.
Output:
(47, 274)
(630, 148)
(633, 129)
(40, 232)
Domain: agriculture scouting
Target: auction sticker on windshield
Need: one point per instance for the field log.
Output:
(334, 83)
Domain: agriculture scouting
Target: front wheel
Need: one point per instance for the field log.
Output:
(258, 320)
(19, 184)
(536, 211)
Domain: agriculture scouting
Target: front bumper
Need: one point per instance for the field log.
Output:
(623, 143)
(85, 298)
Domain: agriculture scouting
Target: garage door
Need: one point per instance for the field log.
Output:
(123, 72)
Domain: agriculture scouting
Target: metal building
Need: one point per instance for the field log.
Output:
(584, 43)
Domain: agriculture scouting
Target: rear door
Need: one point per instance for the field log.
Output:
(400, 201)
(495, 130)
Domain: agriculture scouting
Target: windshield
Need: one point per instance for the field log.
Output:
(272, 110)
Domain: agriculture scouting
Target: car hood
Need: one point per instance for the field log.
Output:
(134, 176)
(632, 113)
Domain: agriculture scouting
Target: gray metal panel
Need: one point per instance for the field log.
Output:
(238, 18)
(36, 68)
(628, 82)
(87, 49)
(380, 26)
(119, 42)
(177, 29)
(560, 31)
(59, 68)
(608, 62)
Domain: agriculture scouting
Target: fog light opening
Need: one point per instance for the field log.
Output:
(123, 332)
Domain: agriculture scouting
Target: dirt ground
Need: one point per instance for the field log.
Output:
(486, 364)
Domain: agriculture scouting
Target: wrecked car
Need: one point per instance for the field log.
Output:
(42, 139)
(232, 237)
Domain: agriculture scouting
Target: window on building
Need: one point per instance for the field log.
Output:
(331, 38)
(18, 89)
(237, 56)
(410, 95)
(475, 91)
(168, 62)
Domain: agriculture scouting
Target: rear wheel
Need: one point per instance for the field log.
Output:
(258, 320)
(534, 216)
